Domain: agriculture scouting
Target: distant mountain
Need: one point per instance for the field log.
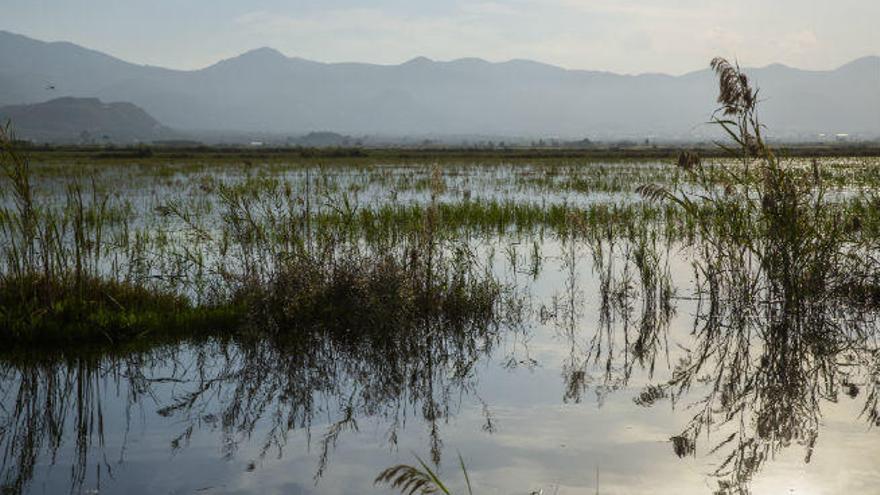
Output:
(265, 91)
(78, 120)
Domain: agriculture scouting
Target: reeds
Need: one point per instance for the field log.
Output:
(419, 480)
(75, 273)
(784, 272)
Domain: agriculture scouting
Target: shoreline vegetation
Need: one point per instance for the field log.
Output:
(223, 154)
(83, 263)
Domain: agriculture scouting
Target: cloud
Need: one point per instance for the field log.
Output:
(799, 42)
(629, 36)
(635, 36)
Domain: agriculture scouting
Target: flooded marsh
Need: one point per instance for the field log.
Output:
(572, 326)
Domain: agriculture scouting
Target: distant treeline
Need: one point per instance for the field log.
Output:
(203, 152)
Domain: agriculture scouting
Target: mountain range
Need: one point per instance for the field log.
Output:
(263, 90)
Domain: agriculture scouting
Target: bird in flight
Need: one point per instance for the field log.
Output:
(50, 87)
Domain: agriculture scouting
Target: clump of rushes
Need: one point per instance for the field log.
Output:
(338, 285)
(766, 213)
(787, 288)
(360, 294)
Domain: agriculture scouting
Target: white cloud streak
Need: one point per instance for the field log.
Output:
(632, 36)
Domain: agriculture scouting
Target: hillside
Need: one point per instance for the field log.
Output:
(264, 90)
(78, 120)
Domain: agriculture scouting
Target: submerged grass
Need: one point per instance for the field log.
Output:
(205, 244)
(71, 276)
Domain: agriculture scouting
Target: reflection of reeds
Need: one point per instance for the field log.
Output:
(58, 401)
(284, 371)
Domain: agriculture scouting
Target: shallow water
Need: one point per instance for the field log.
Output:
(546, 401)
(549, 398)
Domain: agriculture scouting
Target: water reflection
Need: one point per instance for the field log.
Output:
(632, 318)
(47, 401)
(421, 371)
(748, 381)
(241, 389)
(768, 351)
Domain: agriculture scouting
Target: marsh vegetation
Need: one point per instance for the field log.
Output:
(301, 325)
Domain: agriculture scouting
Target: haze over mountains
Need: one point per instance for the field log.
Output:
(264, 91)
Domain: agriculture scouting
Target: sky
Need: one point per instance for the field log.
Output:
(624, 36)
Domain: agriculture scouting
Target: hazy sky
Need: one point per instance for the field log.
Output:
(629, 36)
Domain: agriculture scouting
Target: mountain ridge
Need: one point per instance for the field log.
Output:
(264, 90)
(263, 50)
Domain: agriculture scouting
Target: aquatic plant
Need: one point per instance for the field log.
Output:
(73, 273)
(50, 280)
(786, 288)
(423, 480)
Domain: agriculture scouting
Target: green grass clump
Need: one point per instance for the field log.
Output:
(39, 311)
